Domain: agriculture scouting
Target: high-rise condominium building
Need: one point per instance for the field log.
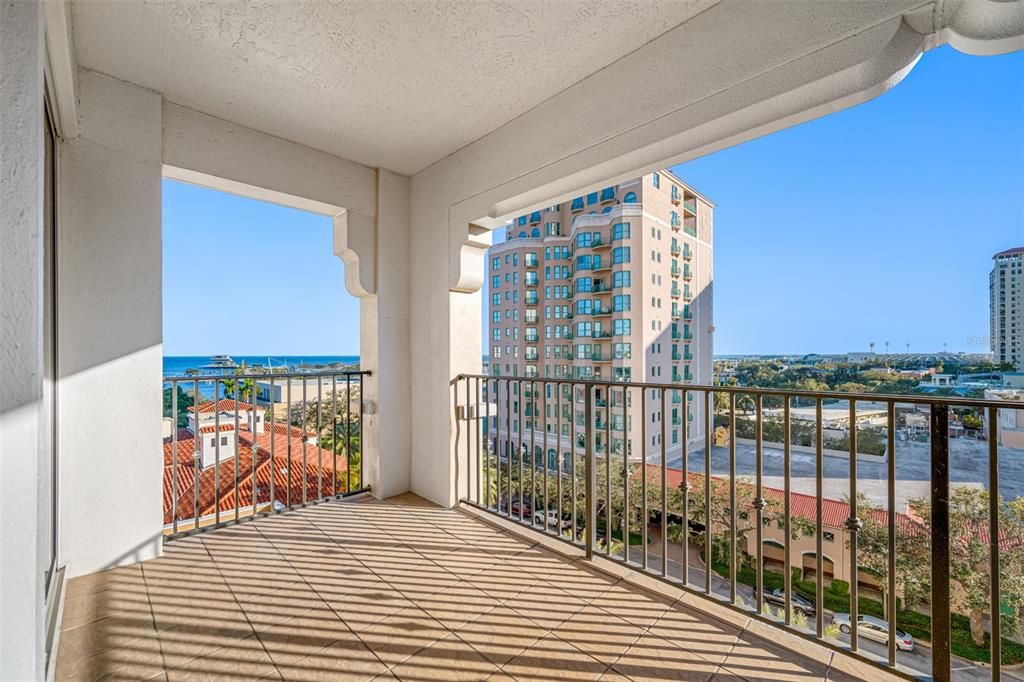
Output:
(1006, 306)
(612, 286)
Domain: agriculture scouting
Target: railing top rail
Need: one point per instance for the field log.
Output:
(778, 392)
(267, 377)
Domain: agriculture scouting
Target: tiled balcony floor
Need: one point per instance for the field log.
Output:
(395, 589)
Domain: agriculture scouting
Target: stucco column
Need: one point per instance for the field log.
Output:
(384, 339)
(110, 328)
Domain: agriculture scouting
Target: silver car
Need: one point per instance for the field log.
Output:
(870, 627)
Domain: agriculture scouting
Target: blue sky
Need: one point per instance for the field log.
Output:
(244, 277)
(875, 223)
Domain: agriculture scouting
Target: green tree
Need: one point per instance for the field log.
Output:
(185, 401)
(969, 555)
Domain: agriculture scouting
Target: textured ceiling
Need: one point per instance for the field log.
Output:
(391, 83)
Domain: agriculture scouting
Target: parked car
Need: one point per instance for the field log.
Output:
(513, 509)
(777, 597)
(870, 627)
(552, 519)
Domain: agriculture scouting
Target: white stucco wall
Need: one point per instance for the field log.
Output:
(384, 344)
(579, 140)
(109, 300)
(21, 361)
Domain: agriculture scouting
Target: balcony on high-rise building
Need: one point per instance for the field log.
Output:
(394, 521)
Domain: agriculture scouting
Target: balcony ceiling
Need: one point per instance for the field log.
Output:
(397, 84)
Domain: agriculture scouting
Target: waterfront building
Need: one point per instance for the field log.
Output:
(1006, 307)
(612, 286)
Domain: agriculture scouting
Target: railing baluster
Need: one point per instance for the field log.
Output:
(305, 437)
(362, 483)
(819, 561)
(940, 542)
(508, 444)
(235, 396)
(253, 487)
(544, 455)
(334, 433)
(644, 514)
(685, 487)
(590, 452)
(174, 456)
(786, 455)
(273, 440)
(995, 625)
(532, 414)
(732, 497)
(709, 422)
(519, 450)
(664, 493)
(853, 525)
(558, 456)
(216, 449)
(197, 455)
(319, 445)
(479, 455)
(458, 434)
(608, 470)
(572, 457)
(348, 433)
(491, 444)
(288, 398)
(625, 475)
(759, 504)
(890, 444)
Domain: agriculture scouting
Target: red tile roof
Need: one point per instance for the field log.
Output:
(216, 484)
(210, 428)
(222, 405)
(834, 513)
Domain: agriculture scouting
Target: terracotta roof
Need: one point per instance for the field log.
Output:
(833, 512)
(222, 405)
(216, 484)
(212, 427)
(1010, 252)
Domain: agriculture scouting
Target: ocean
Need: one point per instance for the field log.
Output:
(176, 365)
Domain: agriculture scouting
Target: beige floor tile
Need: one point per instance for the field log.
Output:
(303, 636)
(553, 659)
(447, 659)
(652, 658)
(500, 634)
(757, 659)
(360, 591)
(345, 660)
(599, 634)
(120, 657)
(401, 635)
(708, 638)
(244, 660)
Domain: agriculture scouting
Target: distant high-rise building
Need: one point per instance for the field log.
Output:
(1006, 306)
(612, 286)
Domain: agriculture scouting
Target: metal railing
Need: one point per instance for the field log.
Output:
(612, 502)
(245, 445)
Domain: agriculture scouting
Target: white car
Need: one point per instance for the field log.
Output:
(552, 519)
(870, 627)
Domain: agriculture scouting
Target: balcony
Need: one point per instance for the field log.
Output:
(687, 273)
(530, 281)
(530, 300)
(676, 356)
(529, 262)
(675, 250)
(402, 589)
(412, 184)
(675, 270)
(687, 251)
(690, 205)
